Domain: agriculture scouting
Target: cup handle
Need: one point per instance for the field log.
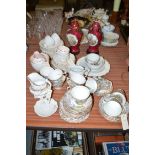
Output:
(87, 71)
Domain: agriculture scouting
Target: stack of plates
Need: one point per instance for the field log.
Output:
(100, 69)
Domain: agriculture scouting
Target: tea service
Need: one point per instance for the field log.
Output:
(76, 104)
(113, 105)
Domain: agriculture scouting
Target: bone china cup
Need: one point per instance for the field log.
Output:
(92, 58)
(91, 84)
(80, 92)
(77, 78)
(46, 70)
(112, 108)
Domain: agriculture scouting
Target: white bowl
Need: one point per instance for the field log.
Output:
(112, 108)
(91, 84)
(92, 58)
(55, 75)
(77, 78)
(45, 71)
(80, 92)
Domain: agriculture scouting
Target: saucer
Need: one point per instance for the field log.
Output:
(103, 69)
(114, 117)
(104, 87)
(44, 109)
(109, 44)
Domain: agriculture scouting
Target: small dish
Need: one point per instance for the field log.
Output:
(80, 92)
(45, 108)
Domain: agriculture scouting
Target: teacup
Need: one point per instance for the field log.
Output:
(77, 79)
(91, 84)
(42, 93)
(39, 60)
(76, 69)
(108, 28)
(80, 93)
(57, 78)
(36, 79)
(110, 37)
(62, 54)
(92, 58)
(112, 108)
(45, 71)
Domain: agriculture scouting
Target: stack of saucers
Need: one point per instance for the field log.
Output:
(75, 107)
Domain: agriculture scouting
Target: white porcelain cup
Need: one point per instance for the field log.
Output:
(39, 60)
(80, 92)
(57, 78)
(36, 79)
(91, 84)
(77, 78)
(111, 37)
(62, 54)
(46, 70)
(92, 58)
(76, 69)
(112, 108)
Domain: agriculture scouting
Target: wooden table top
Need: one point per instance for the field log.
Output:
(117, 59)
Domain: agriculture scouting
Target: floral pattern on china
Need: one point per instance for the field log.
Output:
(72, 39)
(92, 39)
